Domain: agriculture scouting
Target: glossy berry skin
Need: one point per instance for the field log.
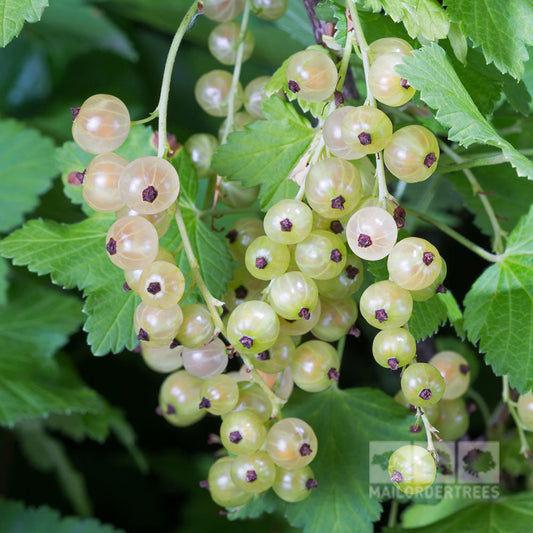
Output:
(453, 419)
(253, 398)
(333, 187)
(525, 410)
(223, 42)
(321, 255)
(338, 315)
(242, 232)
(431, 411)
(276, 358)
(149, 185)
(201, 147)
(197, 327)
(266, 259)
(366, 130)
(212, 92)
(302, 325)
(346, 283)
(254, 94)
(242, 432)
(179, 397)
(161, 285)
(455, 370)
(386, 85)
(269, 9)
(102, 124)
(222, 10)
(100, 185)
(291, 443)
(132, 243)
(388, 45)
(293, 295)
(162, 359)
(315, 366)
(412, 155)
(371, 233)
(294, 485)
(336, 226)
(219, 395)
(243, 288)
(394, 348)
(253, 473)
(412, 469)
(422, 384)
(314, 73)
(157, 326)
(414, 263)
(385, 305)
(161, 221)
(288, 222)
(206, 361)
(332, 133)
(425, 294)
(133, 277)
(234, 194)
(253, 327)
(223, 490)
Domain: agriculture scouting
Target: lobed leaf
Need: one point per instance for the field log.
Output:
(14, 13)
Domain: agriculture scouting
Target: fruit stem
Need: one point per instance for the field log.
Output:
(493, 258)
(363, 47)
(149, 118)
(393, 514)
(430, 431)
(345, 63)
(162, 106)
(309, 158)
(221, 212)
(499, 234)
(480, 160)
(525, 450)
(482, 405)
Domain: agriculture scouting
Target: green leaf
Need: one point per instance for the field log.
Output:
(342, 503)
(14, 13)
(71, 158)
(499, 309)
(38, 320)
(4, 270)
(458, 42)
(74, 255)
(266, 152)
(429, 71)
(26, 170)
(502, 29)
(509, 513)
(14, 518)
(188, 177)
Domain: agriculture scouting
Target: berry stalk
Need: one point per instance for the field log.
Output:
(525, 450)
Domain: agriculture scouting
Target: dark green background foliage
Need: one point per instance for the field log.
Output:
(78, 433)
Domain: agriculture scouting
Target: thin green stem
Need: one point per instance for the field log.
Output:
(482, 405)
(162, 106)
(149, 118)
(370, 100)
(430, 431)
(499, 234)
(524, 444)
(481, 160)
(345, 63)
(493, 258)
(340, 346)
(393, 513)
(237, 211)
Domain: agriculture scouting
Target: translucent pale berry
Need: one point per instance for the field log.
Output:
(333, 187)
(223, 42)
(313, 75)
(346, 283)
(455, 370)
(157, 326)
(179, 397)
(253, 473)
(525, 410)
(253, 398)
(243, 288)
(269, 9)
(222, 10)
(132, 243)
(422, 384)
(100, 185)
(338, 315)
(292, 443)
(212, 92)
(333, 225)
(315, 366)
(294, 485)
(321, 255)
(412, 469)
(241, 234)
(388, 45)
(206, 361)
(412, 154)
(277, 358)
(386, 85)
(394, 348)
(161, 221)
(254, 94)
(332, 134)
(220, 395)
(366, 130)
(288, 222)
(197, 327)
(253, 327)
(431, 411)
(266, 259)
(453, 420)
(386, 305)
(293, 295)
(425, 294)
(161, 285)
(301, 326)
(163, 359)
(201, 147)
(133, 277)
(149, 185)
(102, 124)
(371, 233)
(242, 432)
(223, 490)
